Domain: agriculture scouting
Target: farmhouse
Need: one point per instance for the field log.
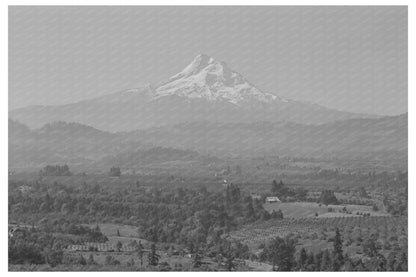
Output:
(272, 199)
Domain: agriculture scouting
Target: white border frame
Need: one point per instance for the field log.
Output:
(4, 110)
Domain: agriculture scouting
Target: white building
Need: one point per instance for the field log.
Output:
(272, 199)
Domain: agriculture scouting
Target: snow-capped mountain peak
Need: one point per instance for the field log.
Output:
(194, 67)
(207, 78)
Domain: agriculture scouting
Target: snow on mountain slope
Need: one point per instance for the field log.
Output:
(212, 80)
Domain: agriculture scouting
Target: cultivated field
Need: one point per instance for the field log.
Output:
(310, 209)
(254, 234)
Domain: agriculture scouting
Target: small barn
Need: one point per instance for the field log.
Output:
(272, 199)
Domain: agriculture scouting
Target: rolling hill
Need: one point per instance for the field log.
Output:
(383, 138)
(355, 138)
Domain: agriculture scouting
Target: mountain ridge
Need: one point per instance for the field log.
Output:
(383, 138)
(206, 90)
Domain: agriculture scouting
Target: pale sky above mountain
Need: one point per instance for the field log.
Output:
(347, 58)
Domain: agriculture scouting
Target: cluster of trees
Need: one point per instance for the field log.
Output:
(45, 244)
(64, 226)
(199, 217)
(176, 215)
(395, 207)
(363, 193)
(328, 198)
(286, 193)
(55, 170)
(281, 252)
(115, 171)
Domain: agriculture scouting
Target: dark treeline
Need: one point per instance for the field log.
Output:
(45, 244)
(186, 216)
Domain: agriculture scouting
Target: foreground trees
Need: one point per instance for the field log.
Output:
(195, 218)
(337, 253)
(281, 253)
(153, 257)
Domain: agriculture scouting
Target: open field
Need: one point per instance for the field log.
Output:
(310, 209)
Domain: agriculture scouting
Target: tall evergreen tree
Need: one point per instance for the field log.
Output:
(140, 252)
(310, 262)
(229, 262)
(326, 261)
(153, 256)
(119, 245)
(197, 259)
(302, 261)
(338, 258)
(317, 260)
(90, 260)
(370, 247)
(250, 214)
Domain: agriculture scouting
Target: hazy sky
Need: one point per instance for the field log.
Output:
(348, 58)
